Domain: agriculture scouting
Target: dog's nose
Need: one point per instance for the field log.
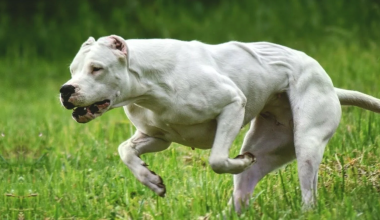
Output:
(66, 91)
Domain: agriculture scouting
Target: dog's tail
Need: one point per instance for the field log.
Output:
(349, 97)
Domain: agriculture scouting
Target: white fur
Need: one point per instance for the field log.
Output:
(201, 95)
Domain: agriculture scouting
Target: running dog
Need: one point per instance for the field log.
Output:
(201, 95)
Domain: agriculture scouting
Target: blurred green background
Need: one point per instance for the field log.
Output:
(53, 30)
(38, 40)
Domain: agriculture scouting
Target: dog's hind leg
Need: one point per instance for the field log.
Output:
(272, 145)
(309, 146)
(316, 114)
(130, 151)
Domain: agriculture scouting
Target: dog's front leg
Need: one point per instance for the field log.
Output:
(229, 124)
(130, 151)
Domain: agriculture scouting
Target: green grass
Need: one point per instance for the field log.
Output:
(54, 168)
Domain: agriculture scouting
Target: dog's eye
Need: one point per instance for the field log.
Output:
(96, 69)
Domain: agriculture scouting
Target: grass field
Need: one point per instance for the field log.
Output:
(54, 168)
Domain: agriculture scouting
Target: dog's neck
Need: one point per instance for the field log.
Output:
(152, 57)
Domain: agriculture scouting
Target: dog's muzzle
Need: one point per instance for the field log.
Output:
(83, 114)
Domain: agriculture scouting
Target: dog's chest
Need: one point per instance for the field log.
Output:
(198, 135)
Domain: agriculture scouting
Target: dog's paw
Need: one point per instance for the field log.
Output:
(153, 181)
(158, 185)
(247, 155)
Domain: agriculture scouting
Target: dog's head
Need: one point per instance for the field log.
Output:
(98, 76)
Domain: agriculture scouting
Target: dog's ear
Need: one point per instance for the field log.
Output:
(118, 43)
(89, 41)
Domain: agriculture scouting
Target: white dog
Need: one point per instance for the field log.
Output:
(201, 95)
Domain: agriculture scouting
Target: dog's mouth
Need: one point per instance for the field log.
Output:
(87, 113)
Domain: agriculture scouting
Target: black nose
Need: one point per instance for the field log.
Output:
(66, 91)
